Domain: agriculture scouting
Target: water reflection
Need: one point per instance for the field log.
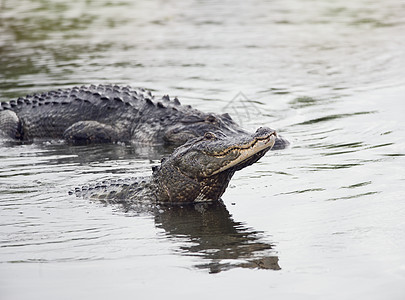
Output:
(59, 153)
(212, 234)
(91, 153)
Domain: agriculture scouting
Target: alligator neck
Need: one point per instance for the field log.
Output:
(169, 185)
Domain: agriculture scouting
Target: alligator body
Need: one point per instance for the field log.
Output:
(108, 114)
(198, 171)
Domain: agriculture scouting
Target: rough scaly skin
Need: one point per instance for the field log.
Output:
(108, 114)
(198, 171)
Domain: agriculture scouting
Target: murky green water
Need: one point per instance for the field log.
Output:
(323, 219)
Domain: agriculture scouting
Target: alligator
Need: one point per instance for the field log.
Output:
(197, 171)
(110, 114)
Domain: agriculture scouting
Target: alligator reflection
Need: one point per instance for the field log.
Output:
(214, 236)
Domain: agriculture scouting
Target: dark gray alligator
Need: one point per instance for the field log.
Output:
(198, 171)
(108, 114)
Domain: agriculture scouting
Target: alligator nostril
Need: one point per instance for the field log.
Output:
(259, 129)
(265, 131)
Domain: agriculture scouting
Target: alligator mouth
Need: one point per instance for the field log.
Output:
(257, 146)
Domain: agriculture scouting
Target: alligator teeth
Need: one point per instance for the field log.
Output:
(246, 153)
(251, 145)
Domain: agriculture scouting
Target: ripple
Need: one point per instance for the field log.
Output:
(354, 196)
(304, 191)
(334, 117)
(356, 185)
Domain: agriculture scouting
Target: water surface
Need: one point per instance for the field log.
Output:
(322, 219)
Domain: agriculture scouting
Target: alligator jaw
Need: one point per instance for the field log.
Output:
(258, 145)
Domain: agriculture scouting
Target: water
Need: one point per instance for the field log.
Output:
(322, 219)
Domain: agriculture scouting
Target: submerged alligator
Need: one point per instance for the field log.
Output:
(198, 171)
(108, 114)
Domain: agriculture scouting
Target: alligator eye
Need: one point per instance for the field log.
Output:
(209, 136)
(211, 119)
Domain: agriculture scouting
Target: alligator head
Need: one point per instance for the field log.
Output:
(201, 169)
(196, 125)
